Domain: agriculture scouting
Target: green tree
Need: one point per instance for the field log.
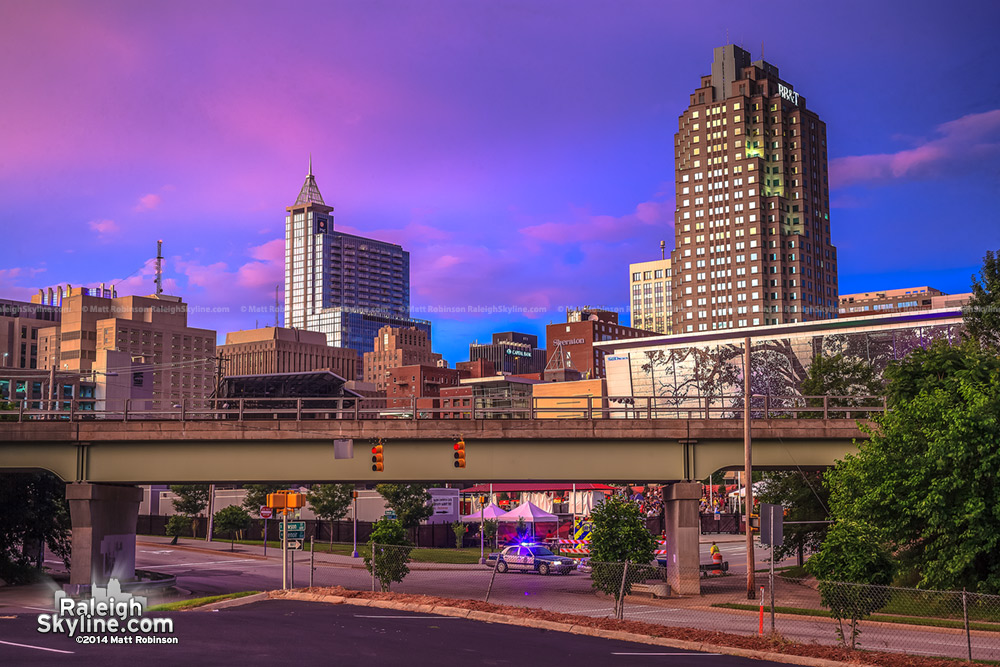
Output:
(233, 519)
(489, 529)
(926, 477)
(176, 526)
(330, 501)
(460, 529)
(806, 498)
(388, 552)
(191, 500)
(618, 535)
(410, 502)
(256, 497)
(35, 514)
(852, 554)
(982, 314)
(840, 377)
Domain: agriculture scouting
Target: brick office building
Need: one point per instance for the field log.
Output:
(752, 224)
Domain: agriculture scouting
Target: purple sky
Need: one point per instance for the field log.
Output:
(521, 151)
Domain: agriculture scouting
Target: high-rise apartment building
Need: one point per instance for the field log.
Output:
(650, 302)
(393, 348)
(152, 331)
(345, 286)
(752, 225)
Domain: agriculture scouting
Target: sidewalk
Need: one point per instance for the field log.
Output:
(221, 547)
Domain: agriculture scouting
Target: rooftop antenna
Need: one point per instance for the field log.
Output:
(663, 249)
(159, 268)
(310, 163)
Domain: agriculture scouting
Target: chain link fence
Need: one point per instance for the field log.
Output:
(912, 621)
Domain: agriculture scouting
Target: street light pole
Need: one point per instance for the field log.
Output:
(747, 466)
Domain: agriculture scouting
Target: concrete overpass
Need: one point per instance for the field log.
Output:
(214, 451)
(103, 460)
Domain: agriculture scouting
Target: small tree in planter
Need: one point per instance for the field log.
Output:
(388, 552)
(460, 530)
(489, 529)
(233, 519)
(175, 527)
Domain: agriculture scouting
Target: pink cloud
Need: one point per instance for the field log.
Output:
(973, 135)
(148, 202)
(103, 227)
(602, 227)
(272, 251)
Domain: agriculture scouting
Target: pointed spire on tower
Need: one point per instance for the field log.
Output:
(309, 194)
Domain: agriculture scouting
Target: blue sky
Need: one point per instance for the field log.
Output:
(521, 151)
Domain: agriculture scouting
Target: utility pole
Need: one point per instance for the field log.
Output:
(747, 467)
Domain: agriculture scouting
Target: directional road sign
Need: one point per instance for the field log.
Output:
(390, 514)
(296, 530)
(297, 544)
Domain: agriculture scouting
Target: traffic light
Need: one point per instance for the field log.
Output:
(460, 453)
(377, 456)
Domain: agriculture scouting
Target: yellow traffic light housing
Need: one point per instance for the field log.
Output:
(286, 500)
(460, 453)
(377, 461)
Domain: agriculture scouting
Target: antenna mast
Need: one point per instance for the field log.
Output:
(663, 249)
(159, 268)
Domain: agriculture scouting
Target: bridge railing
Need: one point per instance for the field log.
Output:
(461, 407)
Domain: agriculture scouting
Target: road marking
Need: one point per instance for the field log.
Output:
(373, 616)
(691, 654)
(37, 648)
(210, 562)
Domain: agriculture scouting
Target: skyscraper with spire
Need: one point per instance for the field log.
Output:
(342, 285)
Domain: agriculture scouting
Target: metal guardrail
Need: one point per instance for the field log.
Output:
(412, 408)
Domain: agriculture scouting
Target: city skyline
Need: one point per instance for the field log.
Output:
(522, 154)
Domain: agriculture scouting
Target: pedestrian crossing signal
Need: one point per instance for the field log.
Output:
(460, 453)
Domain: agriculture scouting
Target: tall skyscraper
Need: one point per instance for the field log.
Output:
(752, 227)
(342, 285)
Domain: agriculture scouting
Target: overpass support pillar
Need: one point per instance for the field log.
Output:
(103, 543)
(680, 508)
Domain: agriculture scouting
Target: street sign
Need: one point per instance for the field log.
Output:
(296, 530)
(295, 545)
(266, 512)
(771, 524)
(390, 514)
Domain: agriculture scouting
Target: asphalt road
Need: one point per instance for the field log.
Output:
(199, 573)
(283, 632)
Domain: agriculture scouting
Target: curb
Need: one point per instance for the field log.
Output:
(235, 602)
(490, 617)
(201, 550)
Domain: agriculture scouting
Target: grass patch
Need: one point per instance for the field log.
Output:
(881, 618)
(183, 605)
(418, 555)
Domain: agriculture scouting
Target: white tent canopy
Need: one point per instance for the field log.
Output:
(491, 511)
(742, 491)
(530, 513)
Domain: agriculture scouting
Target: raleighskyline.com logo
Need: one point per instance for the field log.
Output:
(109, 616)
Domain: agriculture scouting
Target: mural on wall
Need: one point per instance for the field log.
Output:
(688, 378)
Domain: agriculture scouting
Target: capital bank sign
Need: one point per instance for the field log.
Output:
(788, 94)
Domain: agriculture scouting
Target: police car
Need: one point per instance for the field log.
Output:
(530, 557)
